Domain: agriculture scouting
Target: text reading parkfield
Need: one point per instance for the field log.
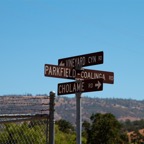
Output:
(70, 73)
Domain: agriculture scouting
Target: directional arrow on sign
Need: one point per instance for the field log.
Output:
(62, 63)
(98, 85)
(80, 86)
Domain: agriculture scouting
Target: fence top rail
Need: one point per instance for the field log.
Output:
(24, 97)
(22, 120)
(23, 115)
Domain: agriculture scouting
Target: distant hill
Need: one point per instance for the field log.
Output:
(65, 107)
(123, 109)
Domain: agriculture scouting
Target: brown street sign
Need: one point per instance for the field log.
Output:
(71, 73)
(59, 71)
(82, 60)
(108, 77)
(80, 86)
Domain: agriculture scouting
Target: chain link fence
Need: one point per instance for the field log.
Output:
(24, 119)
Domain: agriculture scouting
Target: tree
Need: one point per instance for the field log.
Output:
(86, 129)
(104, 129)
(65, 126)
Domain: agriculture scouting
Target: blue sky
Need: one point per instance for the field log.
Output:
(38, 32)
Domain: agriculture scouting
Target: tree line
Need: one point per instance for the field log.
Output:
(101, 129)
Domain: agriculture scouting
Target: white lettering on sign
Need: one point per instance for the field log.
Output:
(100, 58)
(111, 78)
(79, 61)
(60, 71)
(90, 85)
(92, 75)
(66, 72)
(71, 88)
(92, 59)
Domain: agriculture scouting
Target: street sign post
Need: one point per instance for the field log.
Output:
(70, 73)
(80, 86)
(82, 60)
(87, 80)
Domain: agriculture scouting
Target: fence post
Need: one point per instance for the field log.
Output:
(51, 119)
(47, 130)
